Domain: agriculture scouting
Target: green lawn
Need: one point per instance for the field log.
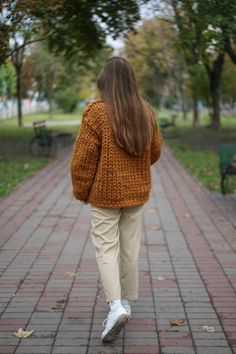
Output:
(16, 164)
(197, 148)
(57, 115)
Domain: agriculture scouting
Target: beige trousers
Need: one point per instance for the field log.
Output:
(116, 235)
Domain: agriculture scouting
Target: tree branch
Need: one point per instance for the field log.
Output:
(27, 43)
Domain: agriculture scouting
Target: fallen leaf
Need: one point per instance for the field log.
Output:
(57, 307)
(151, 210)
(187, 215)
(209, 329)
(23, 334)
(177, 322)
(160, 278)
(155, 227)
(71, 274)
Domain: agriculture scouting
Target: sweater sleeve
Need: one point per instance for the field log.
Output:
(156, 146)
(85, 156)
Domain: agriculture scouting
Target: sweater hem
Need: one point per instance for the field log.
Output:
(121, 204)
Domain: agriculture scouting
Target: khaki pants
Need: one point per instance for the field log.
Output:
(116, 235)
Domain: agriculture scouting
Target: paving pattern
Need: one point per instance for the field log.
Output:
(187, 270)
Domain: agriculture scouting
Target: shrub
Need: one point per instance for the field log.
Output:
(67, 99)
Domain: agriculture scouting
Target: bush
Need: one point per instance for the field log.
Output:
(67, 99)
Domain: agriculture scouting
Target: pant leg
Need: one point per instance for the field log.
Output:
(130, 237)
(105, 237)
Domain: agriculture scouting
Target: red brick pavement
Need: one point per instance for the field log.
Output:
(186, 240)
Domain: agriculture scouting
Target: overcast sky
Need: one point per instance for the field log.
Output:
(146, 12)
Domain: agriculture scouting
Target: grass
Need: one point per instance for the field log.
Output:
(16, 164)
(57, 115)
(197, 148)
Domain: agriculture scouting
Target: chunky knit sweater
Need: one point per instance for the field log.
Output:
(102, 173)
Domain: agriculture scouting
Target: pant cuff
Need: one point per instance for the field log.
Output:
(129, 297)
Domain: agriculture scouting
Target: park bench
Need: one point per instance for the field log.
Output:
(227, 155)
(45, 142)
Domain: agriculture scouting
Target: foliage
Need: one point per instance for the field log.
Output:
(197, 148)
(17, 170)
(200, 40)
(220, 16)
(228, 86)
(67, 99)
(7, 80)
(203, 164)
(151, 51)
(15, 163)
(70, 26)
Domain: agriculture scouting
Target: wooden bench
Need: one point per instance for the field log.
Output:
(227, 155)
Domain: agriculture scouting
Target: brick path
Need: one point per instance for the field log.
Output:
(186, 240)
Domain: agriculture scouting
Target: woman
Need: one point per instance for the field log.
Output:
(110, 169)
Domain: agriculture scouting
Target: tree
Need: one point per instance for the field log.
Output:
(221, 15)
(7, 80)
(71, 27)
(19, 28)
(212, 23)
(229, 84)
(47, 70)
(189, 38)
(151, 51)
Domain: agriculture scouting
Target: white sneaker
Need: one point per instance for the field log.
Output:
(125, 303)
(115, 321)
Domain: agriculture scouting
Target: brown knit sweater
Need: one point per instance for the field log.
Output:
(102, 173)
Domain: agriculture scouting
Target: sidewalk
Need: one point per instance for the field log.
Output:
(187, 270)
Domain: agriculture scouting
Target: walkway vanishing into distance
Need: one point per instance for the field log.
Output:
(50, 282)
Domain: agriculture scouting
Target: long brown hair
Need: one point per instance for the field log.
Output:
(132, 119)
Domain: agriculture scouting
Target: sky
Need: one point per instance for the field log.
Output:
(146, 12)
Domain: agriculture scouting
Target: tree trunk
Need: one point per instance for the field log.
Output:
(17, 60)
(18, 96)
(214, 75)
(182, 99)
(183, 108)
(50, 107)
(215, 100)
(196, 122)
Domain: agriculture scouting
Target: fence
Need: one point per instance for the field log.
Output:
(8, 109)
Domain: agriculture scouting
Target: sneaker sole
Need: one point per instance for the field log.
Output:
(115, 330)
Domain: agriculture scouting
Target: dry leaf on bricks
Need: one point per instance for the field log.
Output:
(57, 307)
(23, 334)
(177, 322)
(155, 227)
(209, 329)
(160, 278)
(71, 274)
(151, 210)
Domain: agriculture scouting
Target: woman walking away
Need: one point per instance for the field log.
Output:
(110, 168)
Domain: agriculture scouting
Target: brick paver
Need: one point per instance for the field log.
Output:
(187, 270)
